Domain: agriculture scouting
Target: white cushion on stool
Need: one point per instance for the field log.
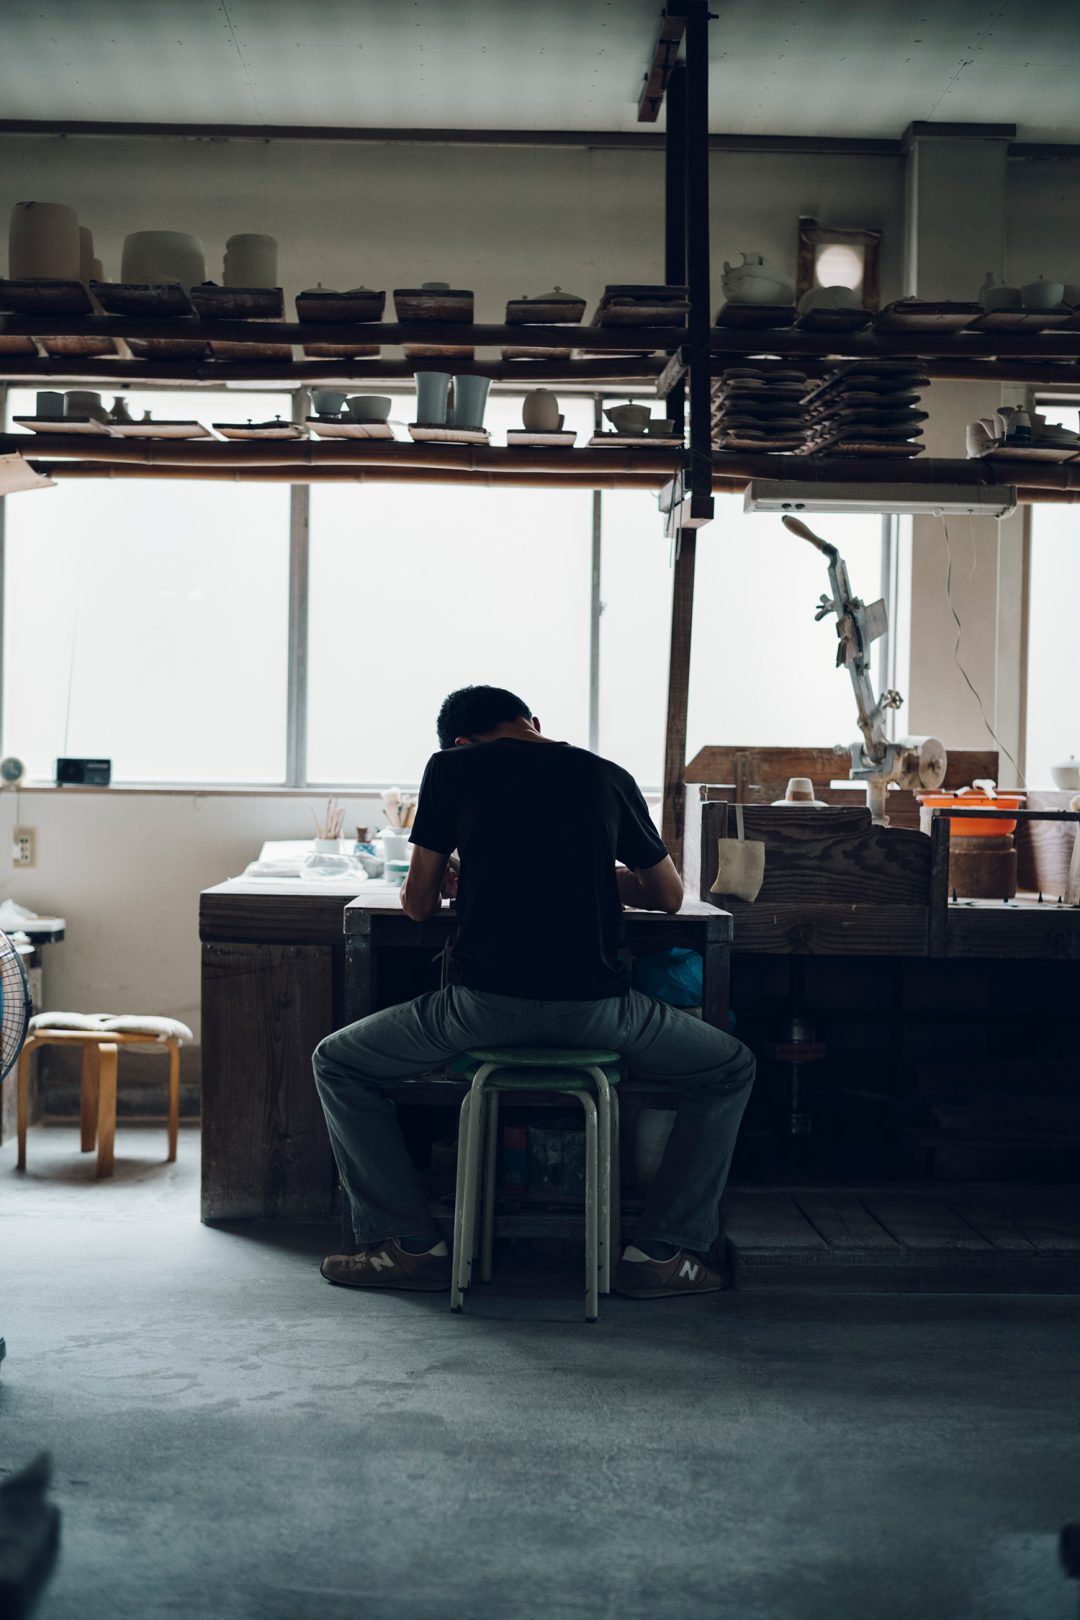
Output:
(154, 1028)
(158, 1029)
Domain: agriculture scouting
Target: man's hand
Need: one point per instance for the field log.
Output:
(422, 893)
(655, 888)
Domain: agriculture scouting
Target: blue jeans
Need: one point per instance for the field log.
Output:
(709, 1073)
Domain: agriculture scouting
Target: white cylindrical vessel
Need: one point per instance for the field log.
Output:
(251, 261)
(43, 242)
(163, 256)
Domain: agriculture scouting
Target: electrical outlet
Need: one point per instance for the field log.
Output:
(23, 846)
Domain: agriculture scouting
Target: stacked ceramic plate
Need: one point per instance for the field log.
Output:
(868, 407)
(759, 408)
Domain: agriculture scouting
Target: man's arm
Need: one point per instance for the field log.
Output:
(421, 893)
(654, 888)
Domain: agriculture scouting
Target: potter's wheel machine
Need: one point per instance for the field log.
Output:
(918, 763)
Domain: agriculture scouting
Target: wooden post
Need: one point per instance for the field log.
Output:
(697, 262)
(88, 1098)
(108, 1053)
(682, 616)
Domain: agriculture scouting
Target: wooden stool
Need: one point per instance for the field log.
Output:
(589, 1075)
(100, 1040)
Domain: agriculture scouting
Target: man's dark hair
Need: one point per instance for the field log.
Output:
(473, 710)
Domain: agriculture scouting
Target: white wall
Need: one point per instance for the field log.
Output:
(126, 869)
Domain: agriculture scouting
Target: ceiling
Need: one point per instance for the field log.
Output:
(789, 67)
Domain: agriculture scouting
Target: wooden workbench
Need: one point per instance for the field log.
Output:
(284, 965)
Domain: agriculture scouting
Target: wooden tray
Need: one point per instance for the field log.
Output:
(12, 343)
(742, 441)
(448, 435)
(1033, 453)
(82, 348)
(754, 317)
(40, 297)
(238, 303)
(168, 348)
(1023, 320)
(361, 306)
(160, 301)
(251, 351)
(553, 441)
(258, 430)
(919, 315)
(350, 430)
(538, 354)
(641, 312)
(65, 424)
(159, 430)
(861, 447)
(341, 351)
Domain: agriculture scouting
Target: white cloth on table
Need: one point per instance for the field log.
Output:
(148, 1024)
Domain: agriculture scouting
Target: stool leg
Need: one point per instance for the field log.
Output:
(174, 1097)
(615, 1240)
(24, 1098)
(107, 1058)
(491, 1166)
(88, 1098)
(604, 1105)
(456, 1299)
(592, 1273)
(474, 1151)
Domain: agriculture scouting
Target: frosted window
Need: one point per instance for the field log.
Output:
(635, 633)
(147, 622)
(762, 672)
(1053, 677)
(418, 589)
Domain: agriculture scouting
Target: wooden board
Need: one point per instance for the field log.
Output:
(1017, 454)
(160, 430)
(45, 297)
(453, 307)
(1022, 320)
(82, 425)
(82, 348)
(448, 435)
(544, 312)
(755, 317)
(768, 769)
(554, 441)
(350, 430)
(338, 308)
(238, 303)
(834, 320)
(342, 351)
(265, 1149)
(640, 441)
(14, 343)
(915, 1239)
(258, 430)
(271, 353)
(154, 300)
(921, 315)
(168, 348)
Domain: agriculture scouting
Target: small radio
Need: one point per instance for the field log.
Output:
(83, 772)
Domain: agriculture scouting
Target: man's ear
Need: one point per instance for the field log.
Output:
(535, 723)
(462, 742)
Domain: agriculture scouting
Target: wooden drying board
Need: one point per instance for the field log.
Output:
(1023, 320)
(755, 317)
(1054, 453)
(159, 430)
(635, 441)
(276, 352)
(453, 307)
(45, 298)
(155, 300)
(350, 430)
(544, 312)
(258, 430)
(239, 303)
(834, 320)
(555, 441)
(447, 435)
(919, 315)
(334, 308)
(65, 424)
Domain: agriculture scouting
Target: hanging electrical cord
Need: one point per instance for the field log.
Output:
(956, 653)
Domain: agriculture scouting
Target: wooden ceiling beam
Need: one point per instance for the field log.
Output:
(665, 54)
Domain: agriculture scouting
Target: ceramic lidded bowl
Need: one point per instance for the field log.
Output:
(1042, 294)
(1066, 774)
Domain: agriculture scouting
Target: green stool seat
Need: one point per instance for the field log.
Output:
(541, 1057)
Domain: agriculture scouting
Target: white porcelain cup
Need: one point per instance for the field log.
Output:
(328, 401)
(43, 242)
(368, 407)
(395, 846)
(163, 256)
(432, 389)
(251, 261)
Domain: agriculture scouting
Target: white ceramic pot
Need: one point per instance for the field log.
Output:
(368, 407)
(540, 411)
(978, 441)
(251, 261)
(1066, 774)
(1042, 294)
(992, 295)
(43, 242)
(163, 256)
(829, 298)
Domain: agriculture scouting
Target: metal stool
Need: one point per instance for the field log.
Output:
(590, 1076)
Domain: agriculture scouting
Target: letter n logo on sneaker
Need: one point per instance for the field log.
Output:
(689, 1269)
(381, 1261)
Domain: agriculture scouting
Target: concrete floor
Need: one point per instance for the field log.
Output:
(236, 1440)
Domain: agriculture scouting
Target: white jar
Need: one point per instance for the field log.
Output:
(540, 411)
(251, 261)
(43, 242)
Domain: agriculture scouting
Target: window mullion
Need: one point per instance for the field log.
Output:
(299, 551)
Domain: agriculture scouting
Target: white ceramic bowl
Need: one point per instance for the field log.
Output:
(1066, 774)
(368, 407)
(756, 290)
(1042, 294)
(163, 256)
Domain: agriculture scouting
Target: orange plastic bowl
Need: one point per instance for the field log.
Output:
(975, 826)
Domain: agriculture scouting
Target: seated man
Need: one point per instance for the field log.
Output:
(539, 827)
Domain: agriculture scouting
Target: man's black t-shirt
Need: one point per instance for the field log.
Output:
(539, 827)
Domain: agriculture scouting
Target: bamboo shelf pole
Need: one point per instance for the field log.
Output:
(467, 476)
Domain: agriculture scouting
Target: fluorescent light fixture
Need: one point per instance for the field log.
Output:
(946, 500)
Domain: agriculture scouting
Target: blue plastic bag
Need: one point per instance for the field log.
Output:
(675, 976)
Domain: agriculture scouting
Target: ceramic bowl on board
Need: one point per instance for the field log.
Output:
(328, 401)
(993, 295)
(1042, 294)
(251, 261)
(659, 427)
(163, 256)
(368, 407)
(628, 418)
(829, 298)
(83, 402)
